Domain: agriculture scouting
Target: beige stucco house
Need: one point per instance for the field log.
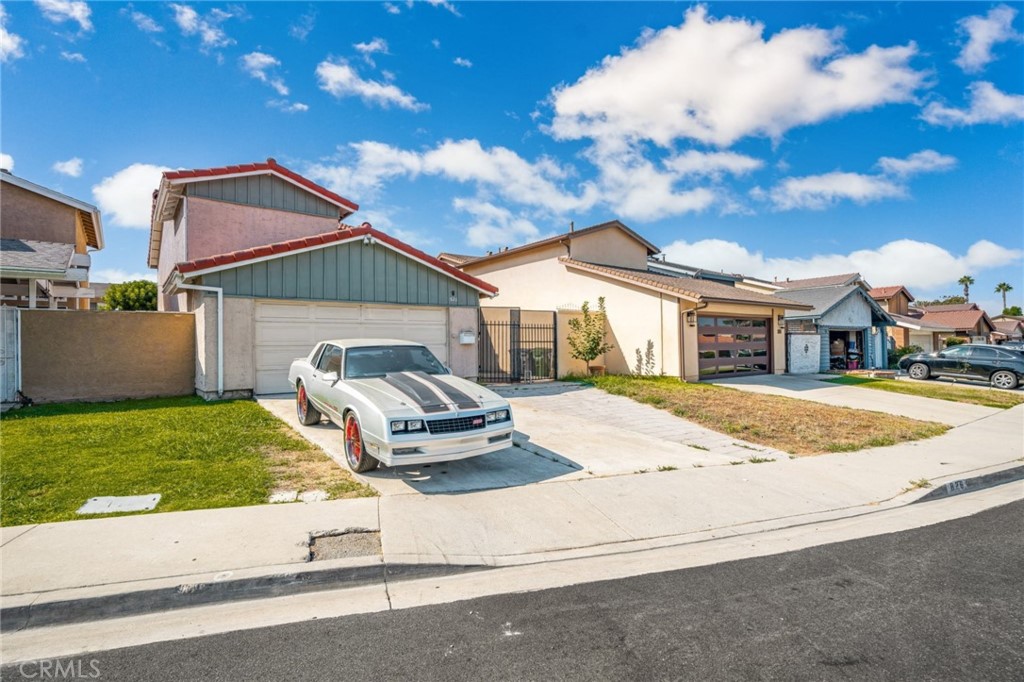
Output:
(262, 257)
(699, 329)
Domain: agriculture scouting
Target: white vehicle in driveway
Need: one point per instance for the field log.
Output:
(397, 404)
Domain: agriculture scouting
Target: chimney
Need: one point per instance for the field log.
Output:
(572, 226)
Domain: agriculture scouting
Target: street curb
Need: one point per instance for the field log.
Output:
(182, 596)
(966, 485)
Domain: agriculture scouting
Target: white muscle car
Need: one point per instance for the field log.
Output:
(397, 404)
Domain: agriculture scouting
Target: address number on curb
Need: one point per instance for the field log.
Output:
(954, 487)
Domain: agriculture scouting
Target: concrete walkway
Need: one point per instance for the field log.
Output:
(811, 387)
(576, 516)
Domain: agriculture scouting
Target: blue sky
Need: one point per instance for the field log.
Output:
(775, 139)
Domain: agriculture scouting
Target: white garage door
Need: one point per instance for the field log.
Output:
(922, 340)
(285, 331)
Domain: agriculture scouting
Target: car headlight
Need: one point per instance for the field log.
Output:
(497, 416)
(408, 426)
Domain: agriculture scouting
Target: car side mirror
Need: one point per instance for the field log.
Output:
(330, 377)
(447, 369)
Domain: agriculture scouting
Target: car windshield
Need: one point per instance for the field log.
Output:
(376, 361)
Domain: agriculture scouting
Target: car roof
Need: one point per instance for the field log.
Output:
(364, 343)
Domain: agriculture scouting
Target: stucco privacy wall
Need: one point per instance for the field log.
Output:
(106, 355)
(538, 281)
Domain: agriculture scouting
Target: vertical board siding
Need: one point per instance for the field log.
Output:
(266, 191)
(346, 272)
(824, 350)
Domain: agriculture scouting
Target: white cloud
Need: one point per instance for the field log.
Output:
(339, 79)
(494, 226)
(983, 33)
(368, 49)
(712, 164)
(818, 192)
(126, 197)
(59, 11)
(286, 106)
(444, 4)
(72, 56)
(392, 8)
(207, 27)
(12, 46)
(72, 167)
(904, 261)
(988, 105)
(259, 65)
(436, 43)
(460, 61)
(303, 26)
(7, 162)
(118, 275)
(143, 22)
(719, 81)
(925, 161)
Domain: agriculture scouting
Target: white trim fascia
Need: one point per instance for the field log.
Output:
(307, 249)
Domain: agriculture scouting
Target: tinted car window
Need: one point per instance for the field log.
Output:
(984, 354)
(957, 352)
(376, 361)
(330, 360)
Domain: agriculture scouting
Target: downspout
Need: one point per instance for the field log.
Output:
(17, 365)
(220, 328)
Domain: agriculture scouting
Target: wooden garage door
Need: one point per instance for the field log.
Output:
(733, 346)
(285, 331)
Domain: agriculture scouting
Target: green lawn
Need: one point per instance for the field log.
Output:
(798, 427)
(961, 394)
(196, 454)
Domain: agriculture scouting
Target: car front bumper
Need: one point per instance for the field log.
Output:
(432, 449)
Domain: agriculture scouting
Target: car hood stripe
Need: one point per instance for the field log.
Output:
(461, 400)
(424, 398)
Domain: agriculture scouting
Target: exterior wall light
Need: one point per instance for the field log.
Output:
(691, 318)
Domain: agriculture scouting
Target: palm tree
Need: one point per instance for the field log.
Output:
(1003, 288)
(967, 281)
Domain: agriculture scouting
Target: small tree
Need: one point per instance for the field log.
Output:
(139, 294)
(1013, 310)
(587, 334)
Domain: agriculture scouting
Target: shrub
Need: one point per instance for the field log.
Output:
(955, 341)
(896, 353)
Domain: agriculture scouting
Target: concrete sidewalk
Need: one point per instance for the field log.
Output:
(811, 387)
(563, 518)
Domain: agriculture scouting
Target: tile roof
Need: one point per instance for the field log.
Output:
(830, 281)
(881, 293)
(1008, 326)
(651, 248)
(919, 322)
(454, 258)
(694, 289)
(270, 166)
(28, 254)
(948, 308)
(222, 261)
(956, 319)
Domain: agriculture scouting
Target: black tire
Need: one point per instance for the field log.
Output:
(358, 459)
(304, 410)
(1004, 379)
(919, 371)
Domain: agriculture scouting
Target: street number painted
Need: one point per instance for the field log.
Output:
(954, 487)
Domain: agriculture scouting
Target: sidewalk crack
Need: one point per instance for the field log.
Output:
(383, 558)
(601, 512)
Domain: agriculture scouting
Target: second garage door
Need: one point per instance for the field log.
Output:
(733, 346)
(285, 331)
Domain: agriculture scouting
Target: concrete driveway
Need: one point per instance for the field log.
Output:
(811, 387)
(563, 432)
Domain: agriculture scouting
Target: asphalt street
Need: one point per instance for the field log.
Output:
(941, 602)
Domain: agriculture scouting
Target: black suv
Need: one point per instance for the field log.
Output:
(998, 365)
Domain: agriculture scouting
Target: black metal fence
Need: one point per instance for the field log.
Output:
(513, 351)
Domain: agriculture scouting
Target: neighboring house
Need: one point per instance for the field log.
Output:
(1008, 328)
(698, 328)
(911, 329)
(966, 320)
(850, 324)
(270, 245)
(44, 250)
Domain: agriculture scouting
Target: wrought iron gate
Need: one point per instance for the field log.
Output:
(517, 346)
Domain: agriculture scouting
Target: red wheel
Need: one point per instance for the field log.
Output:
(355, 452)
(307, 414)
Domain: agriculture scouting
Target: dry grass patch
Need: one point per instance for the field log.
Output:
(796, 426)
(311, 469)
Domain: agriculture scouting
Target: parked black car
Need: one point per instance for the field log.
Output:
(1002, 367)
